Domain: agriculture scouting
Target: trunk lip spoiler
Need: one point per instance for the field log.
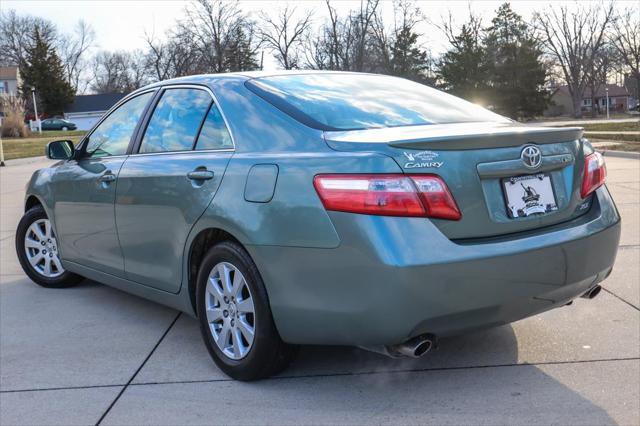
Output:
(459, 136)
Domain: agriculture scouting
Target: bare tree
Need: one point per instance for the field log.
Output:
(575, 40)
(73, 52)
(345, 43)
(119, 72)
(625, 39)
(16, 35)
(176, 57)
(284, 35)
(222, 33)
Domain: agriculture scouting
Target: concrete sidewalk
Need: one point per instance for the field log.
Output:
(92, 354)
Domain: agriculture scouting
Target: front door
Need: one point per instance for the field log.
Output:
(168, 184)
(85, 191)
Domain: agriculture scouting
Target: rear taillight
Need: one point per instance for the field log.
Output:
(595, 173)
(387, 195)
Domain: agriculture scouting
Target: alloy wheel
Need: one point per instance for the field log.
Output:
(41, 248)
(230, 311)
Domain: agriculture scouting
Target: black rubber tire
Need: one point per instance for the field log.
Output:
(67, 279)
(269, 354)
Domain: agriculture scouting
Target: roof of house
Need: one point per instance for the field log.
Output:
(91, 103)
(600, 92)
(9, 73)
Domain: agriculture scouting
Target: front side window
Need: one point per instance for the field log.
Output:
(112, 136)
(176, 120)
(214, 133)
(332, 101)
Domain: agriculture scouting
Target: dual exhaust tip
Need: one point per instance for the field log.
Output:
(421, 345)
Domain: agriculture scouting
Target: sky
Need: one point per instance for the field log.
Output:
(121, 24)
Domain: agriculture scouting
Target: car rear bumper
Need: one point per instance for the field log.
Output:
(394, 278)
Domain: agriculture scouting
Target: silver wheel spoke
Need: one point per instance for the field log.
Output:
(29, 243)
(214, 314)
(223, 337)
(47, 266)
(34, 260)
(214, 290)
(246, 330)
(56, 261)
(47, 229)
(225, 277)
(245, 306)
(238, 283)
(237, 342)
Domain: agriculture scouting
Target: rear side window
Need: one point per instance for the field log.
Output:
(112, 136)
(214, 133)
(176, 120)
(344, 101)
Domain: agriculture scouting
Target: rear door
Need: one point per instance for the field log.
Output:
(166, 186)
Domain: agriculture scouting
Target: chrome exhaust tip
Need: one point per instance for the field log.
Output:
(592, 292)
(415, 347)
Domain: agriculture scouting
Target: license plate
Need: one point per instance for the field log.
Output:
(529, 195)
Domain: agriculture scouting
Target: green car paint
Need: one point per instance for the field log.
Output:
(335, 277)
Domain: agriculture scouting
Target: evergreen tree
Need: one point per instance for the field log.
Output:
(240, 55)
(43, 69)
(517, 75)
(408, 60)
(463, 70)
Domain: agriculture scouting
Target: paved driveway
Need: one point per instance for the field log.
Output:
(94, 354)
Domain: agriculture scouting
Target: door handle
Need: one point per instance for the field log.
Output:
(200, 174)
(107, 177)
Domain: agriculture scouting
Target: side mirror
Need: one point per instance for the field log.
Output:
(59, 150)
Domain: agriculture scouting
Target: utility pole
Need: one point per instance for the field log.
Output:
(261, 60)
(35, 108)
(606, 91)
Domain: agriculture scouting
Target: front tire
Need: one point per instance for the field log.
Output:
(65, 128)
(37, 250)
(235, 317)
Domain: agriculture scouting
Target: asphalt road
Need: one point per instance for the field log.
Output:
(94, 354)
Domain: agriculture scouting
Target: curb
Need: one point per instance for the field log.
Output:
(620, 154)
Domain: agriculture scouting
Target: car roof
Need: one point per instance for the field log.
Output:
(244, 75)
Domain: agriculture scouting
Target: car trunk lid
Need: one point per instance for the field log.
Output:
(477, 160)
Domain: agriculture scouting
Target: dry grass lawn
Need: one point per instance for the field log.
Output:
(34, 145)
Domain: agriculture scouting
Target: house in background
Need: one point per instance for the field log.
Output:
(620, 100)
(9, 83)
(86, 110)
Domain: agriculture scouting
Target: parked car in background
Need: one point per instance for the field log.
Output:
(57, 124)
(322, 208)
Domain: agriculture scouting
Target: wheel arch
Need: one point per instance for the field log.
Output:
(204, 240)
(31, 202)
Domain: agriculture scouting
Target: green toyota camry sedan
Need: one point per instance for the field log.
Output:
(321, 208)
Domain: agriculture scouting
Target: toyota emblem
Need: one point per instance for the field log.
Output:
(531, 157)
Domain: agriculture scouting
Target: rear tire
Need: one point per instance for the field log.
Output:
(40, 259)
(257, 351)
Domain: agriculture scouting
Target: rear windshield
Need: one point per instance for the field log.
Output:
(342, 101)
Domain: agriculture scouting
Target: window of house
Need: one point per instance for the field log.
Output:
(214, 133)
(176, 120)
(113, 135)
(586, 102)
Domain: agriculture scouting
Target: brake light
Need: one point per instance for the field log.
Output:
(387, 195)
(595, 173)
